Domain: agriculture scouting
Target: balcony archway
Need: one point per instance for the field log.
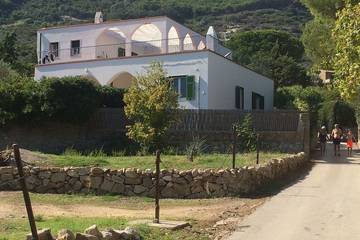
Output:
(173, 40)
(121, 80)
(188, 43)
(110, 43)
(146, 39)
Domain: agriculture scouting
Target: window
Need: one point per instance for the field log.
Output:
(184, 86)
(121, 52)
(239, 98)
(75, 47)
(54, 49)
(257, 101)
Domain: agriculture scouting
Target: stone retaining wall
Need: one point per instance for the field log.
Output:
(174, 184)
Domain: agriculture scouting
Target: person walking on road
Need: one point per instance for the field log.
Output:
(349, 142)
(322, 138)
(336, 137)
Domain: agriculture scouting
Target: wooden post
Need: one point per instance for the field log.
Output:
(25, 192)
(234, 147)
(157, 188)
(257, 148)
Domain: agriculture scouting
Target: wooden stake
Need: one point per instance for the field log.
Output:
(257, 148)
(25, 192)
(234, 147)
(157, 188)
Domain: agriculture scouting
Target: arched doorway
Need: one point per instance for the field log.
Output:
(121, 80)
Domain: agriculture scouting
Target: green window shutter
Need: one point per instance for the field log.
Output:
(190, 87)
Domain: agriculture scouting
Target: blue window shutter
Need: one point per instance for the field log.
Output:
(190, 88)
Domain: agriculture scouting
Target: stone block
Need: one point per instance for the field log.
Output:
(95, 182)
(44, 174)
(131, 173)
(44, 234)
(58, 177)
(83, 236)
(169, 192)
(106, 185)
(196, 188)
(6, 177)
(6, 170)
(139, 189)
(133, 181)
(72, 173)
(77, 186)
(83, 171)
(96, 171)
(118, 188)
(117, 178)
(93, 230)
(182, 190)
(65, 234)
(147, 182)
(167, 178)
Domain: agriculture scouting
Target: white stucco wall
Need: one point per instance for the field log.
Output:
(89, 33)
(186, 63)
(224, 75)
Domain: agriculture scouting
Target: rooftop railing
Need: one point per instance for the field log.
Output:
(133, 48)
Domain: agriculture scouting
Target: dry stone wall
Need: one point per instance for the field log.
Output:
(195, 183)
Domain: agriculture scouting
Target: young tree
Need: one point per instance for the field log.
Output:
(347, 57)
(149, 104)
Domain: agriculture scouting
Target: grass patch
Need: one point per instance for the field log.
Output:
(180, 162)
(105, 200)
(15, 229)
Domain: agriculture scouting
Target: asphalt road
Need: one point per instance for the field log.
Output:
(324, 205)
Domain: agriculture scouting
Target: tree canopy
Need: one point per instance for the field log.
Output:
(277, 55)
(150, 103)
(317, 36)
(347, 58)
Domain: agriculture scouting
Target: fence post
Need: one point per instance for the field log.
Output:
(157, 188)
(257, 148)
(25, 192)
(234, 147)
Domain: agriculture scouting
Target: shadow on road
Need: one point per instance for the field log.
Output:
(330, 158)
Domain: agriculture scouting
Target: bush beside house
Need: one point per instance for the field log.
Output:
(68, 99)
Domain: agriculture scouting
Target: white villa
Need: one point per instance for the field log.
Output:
(113, 52)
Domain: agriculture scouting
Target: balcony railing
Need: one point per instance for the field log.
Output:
(133, 48)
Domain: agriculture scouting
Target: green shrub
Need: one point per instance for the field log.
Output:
(20, 100)
(111, 97)
(246, 134)
(70, 99)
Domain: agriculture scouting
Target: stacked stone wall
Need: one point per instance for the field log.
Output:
(195, 183)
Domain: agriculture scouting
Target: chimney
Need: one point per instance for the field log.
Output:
(99, 17)
(211, 39)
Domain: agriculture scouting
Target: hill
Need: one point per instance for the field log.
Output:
(25, 16)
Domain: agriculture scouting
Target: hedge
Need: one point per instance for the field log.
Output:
(68, 99)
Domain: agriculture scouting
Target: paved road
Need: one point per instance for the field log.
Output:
(324, 205)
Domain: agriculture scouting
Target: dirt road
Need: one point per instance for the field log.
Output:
(324, 205)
